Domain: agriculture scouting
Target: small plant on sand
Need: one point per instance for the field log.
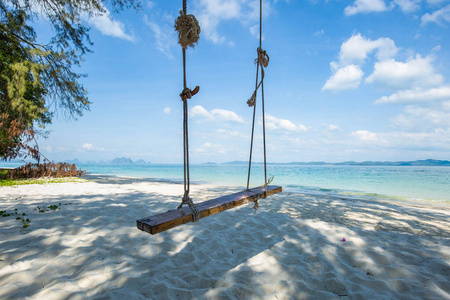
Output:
(51, 207)
(25, 222)
(21, 217)
(3, 213)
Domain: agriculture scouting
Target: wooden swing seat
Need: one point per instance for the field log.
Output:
(176, 217)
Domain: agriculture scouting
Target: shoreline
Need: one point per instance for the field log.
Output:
(290, 248)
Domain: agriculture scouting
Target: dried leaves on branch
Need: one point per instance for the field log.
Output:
(44, 170)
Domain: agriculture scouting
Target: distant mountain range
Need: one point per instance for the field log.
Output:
(426, 162)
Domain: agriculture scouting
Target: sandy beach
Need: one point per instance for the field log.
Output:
(290, 248)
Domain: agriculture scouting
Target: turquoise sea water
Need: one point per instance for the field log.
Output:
(413, 183)
(401, 182)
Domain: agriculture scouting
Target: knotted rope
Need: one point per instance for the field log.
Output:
(187, 93)
(188, 200)
(263, 61)
(188, 34)
(188, 30)
(255, 207)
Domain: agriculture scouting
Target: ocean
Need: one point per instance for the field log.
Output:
(413, 183)
(399, 182)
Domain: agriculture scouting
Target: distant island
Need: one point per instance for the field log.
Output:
(426, 162)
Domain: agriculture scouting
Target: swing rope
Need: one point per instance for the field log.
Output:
(262, 61)
(188, 35)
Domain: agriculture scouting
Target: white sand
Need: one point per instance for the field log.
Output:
(290, 248)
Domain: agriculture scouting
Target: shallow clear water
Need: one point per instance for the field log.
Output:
(405, 182)
(417, 183)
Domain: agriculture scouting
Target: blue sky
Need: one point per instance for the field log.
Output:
(347, 80)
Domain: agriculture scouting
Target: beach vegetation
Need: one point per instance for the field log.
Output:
(23, 217)
(38, 78)
(39, 173)
(17, 182)
(44, 170)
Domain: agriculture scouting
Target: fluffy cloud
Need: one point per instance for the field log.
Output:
(167, 110)
(226, 115)
(356, 49)
(365, 135)
(415, 72)
(107, 26)
(417, 95)
(365, 6)
(346, 78)
(199, 112)
(216, 114)
(354, 53)
(212, 12)
(273, 123)
(416, 79)
(440, 16)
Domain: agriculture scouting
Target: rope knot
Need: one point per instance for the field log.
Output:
(187, 93)
(263, 58)
(188, 30)
(263, 61)
(188, 200)
(251, 102)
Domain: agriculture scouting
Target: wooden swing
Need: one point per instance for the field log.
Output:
(188, 34)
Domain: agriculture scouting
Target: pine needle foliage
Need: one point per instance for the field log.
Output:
(37, 79)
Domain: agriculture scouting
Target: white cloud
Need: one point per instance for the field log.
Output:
(356, 49)
(167, 110)
(273, 123)
(417, 95)
(164, 33)
(408, 6)
(346, 78)
(226, 115)
(87, 146)
(199, 112)
(438, 138)
(90, 147)
(420, 117)
(212, 12)
(415, 72)
(216, 114)
(107, 26)
(210, 148)
(319, 32)
(365, 6)
(365, 135)
(353, 54)
(254, 30)
(440, 16)
(232, 133)
(332, 127)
